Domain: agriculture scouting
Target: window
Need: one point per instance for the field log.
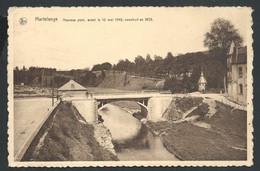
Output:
(240, 89)
(72, 86)
(240, 72)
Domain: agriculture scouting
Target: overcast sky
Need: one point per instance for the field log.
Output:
(77, 45)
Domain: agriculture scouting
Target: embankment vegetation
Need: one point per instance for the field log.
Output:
(223, 138)
(67, 139)
(217, 133)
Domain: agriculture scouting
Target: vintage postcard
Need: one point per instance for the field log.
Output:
(130, 86)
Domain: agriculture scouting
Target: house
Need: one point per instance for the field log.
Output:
(72, 88)
(202, 83)
(237, 73)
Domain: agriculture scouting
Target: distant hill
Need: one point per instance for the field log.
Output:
(120, 80)
(142, 73)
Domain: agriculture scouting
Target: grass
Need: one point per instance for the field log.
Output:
(202, 110)
(186, 103)
(223, 141)
(181, 105)
(25, 92)
(66, 139)
(130, 83)
(230, 123)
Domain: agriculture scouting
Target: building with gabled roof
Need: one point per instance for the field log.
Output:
(237, 73)
(72, 88)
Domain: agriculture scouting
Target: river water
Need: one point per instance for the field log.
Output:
(133, 141)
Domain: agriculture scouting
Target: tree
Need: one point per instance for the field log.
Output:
(97, 67)
(221, 34)
(157, 65)
(148, 70)
(169, 62)
(174, 85)
(103, 74)
(218, 40)
(106, 66)
(140, 64)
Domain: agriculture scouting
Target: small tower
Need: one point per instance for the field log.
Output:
(202, 83)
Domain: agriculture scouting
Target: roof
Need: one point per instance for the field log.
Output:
(238, 55)
(241, 56)
(72, 86)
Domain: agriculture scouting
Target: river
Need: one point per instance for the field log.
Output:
(133, 141)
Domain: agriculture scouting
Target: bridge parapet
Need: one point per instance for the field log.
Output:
(87, 107)
(157, 106)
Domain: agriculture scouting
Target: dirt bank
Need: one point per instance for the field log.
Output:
(69, 138)
(224, 139)
(130, 82)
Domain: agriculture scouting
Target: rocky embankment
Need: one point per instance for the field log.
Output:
(69, 138)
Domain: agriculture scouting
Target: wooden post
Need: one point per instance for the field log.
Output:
(57, 95)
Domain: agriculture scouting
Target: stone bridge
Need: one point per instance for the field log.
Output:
(155, 104)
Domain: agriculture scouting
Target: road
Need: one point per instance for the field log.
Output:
(28, 114)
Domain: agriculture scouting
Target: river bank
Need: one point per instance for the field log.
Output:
(225, 139)
(214, 132)
(67, 137)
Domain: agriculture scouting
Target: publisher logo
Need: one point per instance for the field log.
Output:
(23, 20)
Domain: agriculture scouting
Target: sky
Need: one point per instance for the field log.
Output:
(77, 45)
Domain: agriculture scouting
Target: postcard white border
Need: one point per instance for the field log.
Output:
(12, 163)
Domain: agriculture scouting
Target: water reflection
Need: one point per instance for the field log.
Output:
(122, 125)
(139, 142)
(147, 147)
(144, 147)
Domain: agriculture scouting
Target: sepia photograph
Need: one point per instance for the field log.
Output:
(130, 86)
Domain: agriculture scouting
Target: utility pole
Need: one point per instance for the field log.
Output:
(52, 83)
(52, 96)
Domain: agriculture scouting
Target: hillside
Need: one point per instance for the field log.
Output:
(220, 135)
(129, 82)
(66, 137)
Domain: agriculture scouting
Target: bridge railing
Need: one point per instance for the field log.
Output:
(132, 92)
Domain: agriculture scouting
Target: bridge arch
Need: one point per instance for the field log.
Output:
(154, 105)
(140, 102)
(143, 103)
